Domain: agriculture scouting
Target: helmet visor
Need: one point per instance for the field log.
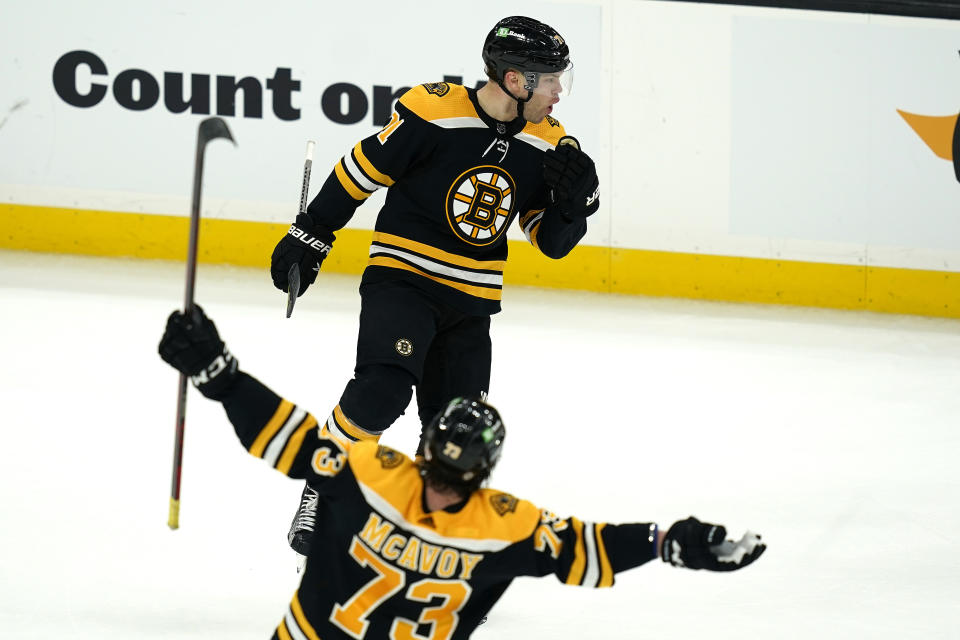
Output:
(550, 83)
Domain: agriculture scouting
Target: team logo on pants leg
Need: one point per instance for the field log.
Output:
(480, 203)
(404, 347)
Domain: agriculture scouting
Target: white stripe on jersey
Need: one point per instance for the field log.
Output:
(358, 175)
(272, 454)
(436, 267)
(529, 226)
(592, 575)
(539, 143)
(460, 123)
(337, 434)
(468, 544)
(295, 631)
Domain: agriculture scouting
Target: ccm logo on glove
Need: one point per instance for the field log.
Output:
(223, 362)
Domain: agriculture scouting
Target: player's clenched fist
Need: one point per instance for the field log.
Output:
(305, 245)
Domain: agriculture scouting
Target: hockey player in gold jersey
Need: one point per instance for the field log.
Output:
(459, 166)
(416, 548)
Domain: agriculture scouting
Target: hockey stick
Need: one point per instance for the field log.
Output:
(293, 275)
(210, 129)
(293, 287)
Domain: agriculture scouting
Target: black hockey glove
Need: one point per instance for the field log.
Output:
(306, 245)
(572, 176)
(192, 346)
(700, 545)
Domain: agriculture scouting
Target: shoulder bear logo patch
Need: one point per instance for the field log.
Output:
(503, 503)
(388, 457)
(437, 88)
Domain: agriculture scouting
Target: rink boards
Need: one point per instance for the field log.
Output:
(745, 153)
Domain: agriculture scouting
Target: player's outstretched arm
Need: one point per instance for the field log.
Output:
(268, 426)
(590, 554)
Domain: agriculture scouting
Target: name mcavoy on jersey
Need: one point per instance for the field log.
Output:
(410, 552)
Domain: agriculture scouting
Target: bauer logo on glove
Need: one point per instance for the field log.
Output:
(304, 245)
(593, 196)
(308, 239)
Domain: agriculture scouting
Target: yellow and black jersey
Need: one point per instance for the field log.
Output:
(382, 566)
(456, 180)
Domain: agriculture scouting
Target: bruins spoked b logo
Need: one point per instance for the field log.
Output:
(479, 204)
(403, 346)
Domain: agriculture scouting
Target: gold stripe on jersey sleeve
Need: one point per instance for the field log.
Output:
(438, 254)
(282, 632)
(301, 619)
(606, 571)
(348, 185)
(525, 218)
(294, 443)
(579, 555)
(346, 425)
(534, 232)
(548, 130)
(367, 166)
(455, 103)
(479, 292)
(273, 425)
(534, 226)
(326, 434)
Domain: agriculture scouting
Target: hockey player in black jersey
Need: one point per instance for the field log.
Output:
(416, 548)
(459, 165)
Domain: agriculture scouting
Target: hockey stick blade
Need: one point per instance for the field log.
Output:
(293, 287)
(212, 128)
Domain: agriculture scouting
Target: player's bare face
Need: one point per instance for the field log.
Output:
(538, 108)
(546, 95)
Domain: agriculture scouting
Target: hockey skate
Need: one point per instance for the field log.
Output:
(301, 529)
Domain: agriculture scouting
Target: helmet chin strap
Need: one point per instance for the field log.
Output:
(520, 101)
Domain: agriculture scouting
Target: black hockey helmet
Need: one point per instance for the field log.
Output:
(528, 46)
(463, 443)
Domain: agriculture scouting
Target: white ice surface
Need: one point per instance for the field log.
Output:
(833, 434)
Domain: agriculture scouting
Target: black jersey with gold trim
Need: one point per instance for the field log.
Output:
(456, 179)
(382, 565)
